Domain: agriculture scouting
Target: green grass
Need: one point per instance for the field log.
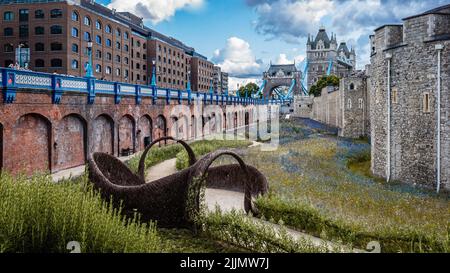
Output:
(37, 215)
(155, 155)
(206, 146)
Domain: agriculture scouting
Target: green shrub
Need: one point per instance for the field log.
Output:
(37, 215)
(206, 146)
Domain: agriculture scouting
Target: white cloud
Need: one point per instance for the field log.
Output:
(283, 59)
(154, 10)
(237, 58)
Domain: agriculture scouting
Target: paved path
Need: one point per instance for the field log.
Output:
(162, 169)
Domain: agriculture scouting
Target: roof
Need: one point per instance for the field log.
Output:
(343, 47)
(445, 10)
(321, 36)
(286, 68)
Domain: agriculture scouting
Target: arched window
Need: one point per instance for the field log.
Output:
(144, 46)
(125, 47)
(39, 47)
(108, 56)
(39, 14)
(56, 46)
(117, 71)
(87, 36)
(125, 35)
(87, 21)
(8, 16)
(108, 70)
(118, 32)
(125, 60)
(361, 103)
(98, 68)
(352, 86)
(56, 29)
(118, 58)
(56, 63)
(39, 63)
(75, 32)
(8, 31)
(74, 64)
(138, 44)
(349, 104)
(108, 42)
(56, 13)
(98, 54)
(117, 45)
(108, 29)
(75, 16)
(98, 25)
(8, 48)
(74, 48)
(39, 30)
(98, 39)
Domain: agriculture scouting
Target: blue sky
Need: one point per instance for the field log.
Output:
(243, 36)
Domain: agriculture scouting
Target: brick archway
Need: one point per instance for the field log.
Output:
(160, 127)
(144, 133)
(126, 135)
(103, 134)
(70, 142)
(30, 139)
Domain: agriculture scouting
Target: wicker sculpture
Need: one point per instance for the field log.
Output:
(166, 199)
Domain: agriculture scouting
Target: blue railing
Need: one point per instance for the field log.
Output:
(14, 81)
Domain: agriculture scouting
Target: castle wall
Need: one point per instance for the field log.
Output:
(413, 134)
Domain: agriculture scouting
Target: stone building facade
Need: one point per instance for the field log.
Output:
(410, 78)
(323, 51)
(57, 33)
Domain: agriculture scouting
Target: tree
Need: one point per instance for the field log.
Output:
(249, 89)
(323, 82)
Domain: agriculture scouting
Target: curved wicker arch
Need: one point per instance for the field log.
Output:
(191, 154)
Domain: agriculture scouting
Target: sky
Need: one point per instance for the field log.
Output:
(245, 36)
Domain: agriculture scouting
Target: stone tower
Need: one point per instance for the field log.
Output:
(323, 50)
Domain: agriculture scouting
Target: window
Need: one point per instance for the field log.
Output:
(118, 32)
(56, 29)
(117, 45)
(74, 48)
(144, 46)
(144, 56)
(352, 86)
(23, 31)
(98, 25)
(394, 95)
(75, 32)
(117, 71)
(39, 63)
(125, 35)
(138, 55)
(8, 48)
(138, 66)
(108, 70)
(361, 103)
(108, 29)
(39, 14)
(39, 30)
(8, 16)
(55, 13)
(126, 73)
(108, 42)
(349, 104)
(138, 44)
(87, 21)
(75, 16)
(56, 46)
(98, 54)
(87, 36)
(108, 56)
(125, 60)
(98, 68)
(98, 39)
(426, 102)
(125, 47)
(118, 58)
(56, 63)
(74, 64)
(23, 15)
(39, 47)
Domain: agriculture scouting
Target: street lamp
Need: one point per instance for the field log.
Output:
(89, 64)
(153, 73)
(20, 54)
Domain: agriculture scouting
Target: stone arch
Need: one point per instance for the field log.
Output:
(174, 132)
(70, 142)
(126, 135)
(160, 127)
(144, 133)
(103, 134)
(31, 138)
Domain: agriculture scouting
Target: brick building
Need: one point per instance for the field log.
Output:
(57, 34)
(409, 85)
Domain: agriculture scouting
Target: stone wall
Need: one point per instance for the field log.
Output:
(413, 126)
(327, 108)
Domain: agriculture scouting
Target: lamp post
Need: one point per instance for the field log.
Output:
(153, 73)
(88, 67)
(20, 54)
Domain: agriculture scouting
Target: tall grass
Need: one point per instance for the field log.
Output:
(37, 215)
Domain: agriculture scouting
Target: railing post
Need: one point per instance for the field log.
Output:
(189, 95)
(168, 96)
(56, 89)
(179, 96)
(9, 85)
(91, 90)
(154, 94)
(117, 96)
(138, 95)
